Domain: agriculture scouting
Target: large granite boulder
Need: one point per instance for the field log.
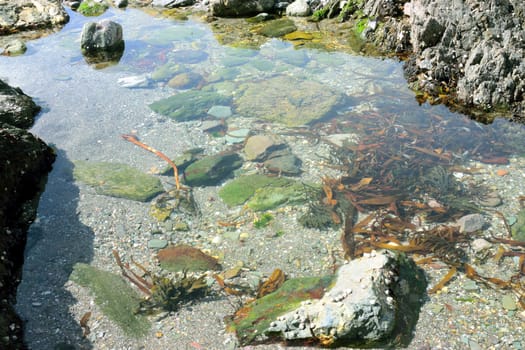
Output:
(21, 15)
(25, 161)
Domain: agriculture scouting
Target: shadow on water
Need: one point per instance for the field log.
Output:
(56, 241)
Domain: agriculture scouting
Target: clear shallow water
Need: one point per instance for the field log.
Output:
(86, 111)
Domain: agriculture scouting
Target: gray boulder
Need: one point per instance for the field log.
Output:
(298, 8)
(105, 35)
(240, 8)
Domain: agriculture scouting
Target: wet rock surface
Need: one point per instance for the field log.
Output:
(20, 15)
(25, 161)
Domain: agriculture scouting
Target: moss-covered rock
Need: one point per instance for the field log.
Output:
(118, 180)
(270, 197)
(92, 8)
(189, 105)
(518, 229)
(277, 28)
(306, 102)
(239, 190)
(255, 317)
(211, 170)
(114, 296)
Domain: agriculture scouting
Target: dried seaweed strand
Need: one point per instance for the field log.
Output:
(133, 139)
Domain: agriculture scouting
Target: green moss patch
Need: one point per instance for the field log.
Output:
(254, 318)
(114, 296)
(92, 8)
(118, 180)
(189, 105)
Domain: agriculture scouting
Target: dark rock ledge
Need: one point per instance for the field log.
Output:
(25, 161)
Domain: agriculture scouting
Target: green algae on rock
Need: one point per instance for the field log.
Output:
(211, 170)
(92, 8)
(189, 105)
(252, 320)
(185, 258)
(114, 296)
(306, 102)
(277, 28)
(518, 229)
(239, 190)
(273, 196)
(117, 180)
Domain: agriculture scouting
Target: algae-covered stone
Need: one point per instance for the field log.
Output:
(277, 28)
(114, 296)
(165, 72)
(186, 258)
(518, 229)
(271, 197)
(118, 180)
(211, 170)
(189, 105)
(307, 101)
(92, 8)
(256, 316)
(239, 190)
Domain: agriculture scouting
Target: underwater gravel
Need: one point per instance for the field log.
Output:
(461, 316)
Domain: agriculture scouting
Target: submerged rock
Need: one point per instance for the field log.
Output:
(186, 258)
(189, 105)
(239, 190)
(258, 147)
(118, 180)
(212, 170)
(306, 102)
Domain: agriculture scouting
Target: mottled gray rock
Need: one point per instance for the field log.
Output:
(299, 8)
(476, 47)
(21, 15)
(258, 147)
(240, 8)
(105, 35)
(360, 309)
(14, 48)
(287, 164)
(470, 223)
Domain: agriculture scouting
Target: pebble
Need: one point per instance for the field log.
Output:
(470, 223)
(220, 111)
(134, 81)
(508, 302)
(157, 243)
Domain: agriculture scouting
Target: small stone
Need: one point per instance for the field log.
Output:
(470, 223)
(508, 302)
(470, 285)
(134, 81)
(157, 243)
(480, 244)
(244, 236)
(220, 111)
